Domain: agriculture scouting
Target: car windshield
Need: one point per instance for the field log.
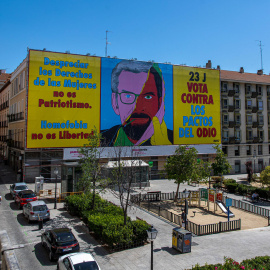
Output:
(29, 195)
(65, 237)
(86, 266)
(20, 187)
(40, 208)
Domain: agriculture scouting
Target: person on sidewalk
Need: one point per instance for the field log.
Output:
(0, 199)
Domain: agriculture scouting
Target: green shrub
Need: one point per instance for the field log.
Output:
(226, 181)
(231, 187)
(242, 189)
(257, 263)
(217, 178)
(217, 185)
(140, 228)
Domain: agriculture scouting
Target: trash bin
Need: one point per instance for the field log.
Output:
(40, 224)
(181, 240)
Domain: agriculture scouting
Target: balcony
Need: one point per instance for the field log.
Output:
(15, 144)
(254, 94)
(255, 124)
(225, 123)
(15, 117)
(231, 124)
(231, 93)
(231, 108)
(225, 140)
(256, 139)
(254, 109)
(237, 123)
(232, 140)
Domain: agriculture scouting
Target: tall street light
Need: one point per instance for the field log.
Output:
(254, 156)
(55, 200)
(152, 234)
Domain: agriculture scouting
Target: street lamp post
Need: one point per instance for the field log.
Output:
(152, 234)
(55, 199)
(254, 156)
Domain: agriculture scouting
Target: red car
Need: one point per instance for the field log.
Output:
(25, 196)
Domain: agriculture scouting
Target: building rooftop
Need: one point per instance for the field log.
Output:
(244, 77)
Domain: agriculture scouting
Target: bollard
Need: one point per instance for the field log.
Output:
(40, 224)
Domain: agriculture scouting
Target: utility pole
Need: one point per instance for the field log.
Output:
(106, 48)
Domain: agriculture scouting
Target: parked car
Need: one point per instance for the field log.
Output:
(59, 241)
(77, 261)
(25, 196)
(17, 187)
(36, 210)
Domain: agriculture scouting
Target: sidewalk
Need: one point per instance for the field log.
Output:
(210, 249)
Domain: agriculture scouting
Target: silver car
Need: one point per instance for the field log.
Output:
(36, 210)
(17, 187)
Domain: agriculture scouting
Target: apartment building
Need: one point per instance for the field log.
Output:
(245, 112)
(4, 107)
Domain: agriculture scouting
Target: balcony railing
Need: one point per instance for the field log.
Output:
(254, 94)
(255, 124)
(15, 144)
(231, 108)
(15, 117)
(231, 93)
(231, 124)
(255, 109)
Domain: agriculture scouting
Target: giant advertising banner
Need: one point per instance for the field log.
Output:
(63, 99)
(196, 102)
(131, 103)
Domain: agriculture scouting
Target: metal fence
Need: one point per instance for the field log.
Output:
(258, 210)
(213, 228)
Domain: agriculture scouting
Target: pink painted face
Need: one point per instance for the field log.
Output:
(138, 102)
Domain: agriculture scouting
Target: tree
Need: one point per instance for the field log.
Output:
(91, 174)
(265, 177)
(249, 170)
(182, 166)
(124, 174)
(221, 165)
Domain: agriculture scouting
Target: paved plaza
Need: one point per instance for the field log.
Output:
(210, 249)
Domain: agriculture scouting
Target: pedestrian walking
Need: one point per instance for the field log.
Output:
(0, 199)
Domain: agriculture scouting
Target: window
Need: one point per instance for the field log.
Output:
(237, 119)
(248, 89)
(249, 150)
(260, 165)
(237, 166)
(237, 135)
(249, 135)
(225, 118)
(249, 119)
(259, 90)
(268, 90)
(260, 135)
(224, 103)
(237, 104)
(224, 87)
(237, 150)
(225, 149)
(260, 149)
(249, 104)
(236, 88)
(260, 105)
(260, 119)
(225, 135)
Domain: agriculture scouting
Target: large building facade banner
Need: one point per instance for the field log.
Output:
(131, 103)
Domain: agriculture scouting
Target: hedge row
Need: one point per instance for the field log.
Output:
(107, 221)
(233, 187)
(257, 263)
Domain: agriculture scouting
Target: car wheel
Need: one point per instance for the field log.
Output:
(19, 206)
(57, 267)
(51, 256)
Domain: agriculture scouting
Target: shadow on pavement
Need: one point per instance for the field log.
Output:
(14, 206)
(170, 250)
(42, 255)
(8, 197)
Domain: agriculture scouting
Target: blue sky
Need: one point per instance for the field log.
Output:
(176, 31)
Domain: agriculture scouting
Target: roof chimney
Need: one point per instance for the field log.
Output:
(260, 72)
(208, 64)
(241, 70)
(218, 67)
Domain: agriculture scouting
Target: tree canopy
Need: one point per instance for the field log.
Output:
(220, 165)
